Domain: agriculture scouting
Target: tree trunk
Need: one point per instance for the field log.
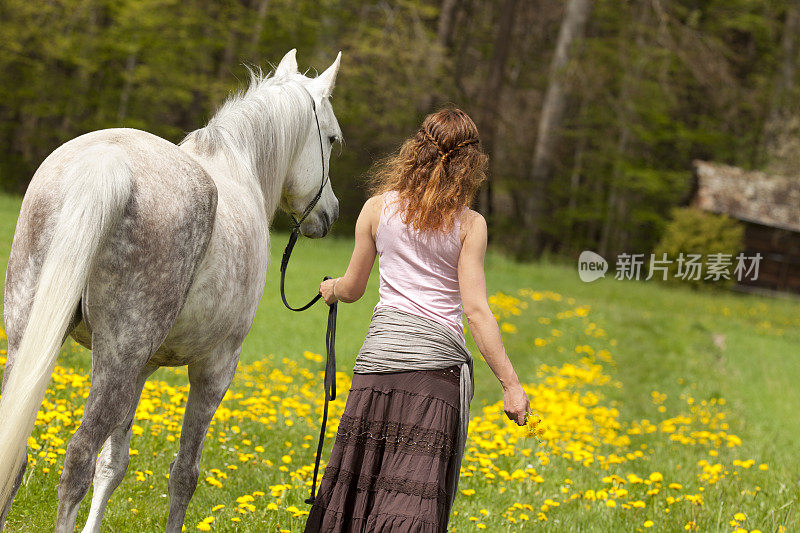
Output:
(226, 63)
(125, 95)
(444, 28)
(574, 188)
(613, 207)
(233, 45)
(616, 207)
(258, 29)
(573, 27)
(225, 67)
(444, 38)
(493, 93)
(789, 48)
(80, 89)
(780, 108)
(461, 41)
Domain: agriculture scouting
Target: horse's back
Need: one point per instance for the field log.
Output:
(158, 168)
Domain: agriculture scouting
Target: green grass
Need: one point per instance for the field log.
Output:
(660, 338)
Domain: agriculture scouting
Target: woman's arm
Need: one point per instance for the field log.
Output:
(482, 324)
(352, 285)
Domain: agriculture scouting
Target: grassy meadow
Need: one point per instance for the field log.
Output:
(664, 409)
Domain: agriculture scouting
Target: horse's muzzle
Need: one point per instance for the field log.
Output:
(319, 224)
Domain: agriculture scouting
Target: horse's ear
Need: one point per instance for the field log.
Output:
(288, 64)
(324, 82)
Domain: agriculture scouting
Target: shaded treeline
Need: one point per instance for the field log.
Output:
(592, 110)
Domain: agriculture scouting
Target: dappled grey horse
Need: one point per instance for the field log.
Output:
(153, 254)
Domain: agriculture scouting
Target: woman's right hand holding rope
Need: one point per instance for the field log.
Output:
(328, 292)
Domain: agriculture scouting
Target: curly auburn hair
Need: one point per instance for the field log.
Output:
(436, 173)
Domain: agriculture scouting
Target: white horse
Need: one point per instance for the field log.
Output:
(153, 254)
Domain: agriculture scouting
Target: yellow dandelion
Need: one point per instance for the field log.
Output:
(508, 328)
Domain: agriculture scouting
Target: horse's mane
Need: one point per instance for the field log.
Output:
(257, 127)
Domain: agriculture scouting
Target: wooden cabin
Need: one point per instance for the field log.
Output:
(769, 207)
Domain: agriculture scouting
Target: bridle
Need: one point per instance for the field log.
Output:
(330, 332)
(310, 207)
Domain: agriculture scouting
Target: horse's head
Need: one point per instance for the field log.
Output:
(309, 169)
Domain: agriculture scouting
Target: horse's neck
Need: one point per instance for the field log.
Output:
(232, 175)
(254, 154)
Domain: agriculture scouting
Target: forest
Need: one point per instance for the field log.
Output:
(591, 110)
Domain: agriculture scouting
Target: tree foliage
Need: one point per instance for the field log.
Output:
(648, 86)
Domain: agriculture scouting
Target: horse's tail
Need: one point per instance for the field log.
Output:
(98, 186)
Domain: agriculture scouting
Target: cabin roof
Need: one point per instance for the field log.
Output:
(750, 196)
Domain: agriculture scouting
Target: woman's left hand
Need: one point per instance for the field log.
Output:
(326, 290)
(516, 403)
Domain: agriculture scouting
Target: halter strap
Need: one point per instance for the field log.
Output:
(325, 177)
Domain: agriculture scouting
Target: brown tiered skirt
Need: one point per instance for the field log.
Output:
(390, 464)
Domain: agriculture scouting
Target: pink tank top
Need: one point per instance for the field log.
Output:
(418, 271)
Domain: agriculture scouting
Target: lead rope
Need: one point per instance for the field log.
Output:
(330, 333)
(330, 350)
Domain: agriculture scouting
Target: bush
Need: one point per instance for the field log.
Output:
(692, 231)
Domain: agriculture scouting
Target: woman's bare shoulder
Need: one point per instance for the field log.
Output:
(374, 203)
(471, 221)
(372, 212)
(372, 200)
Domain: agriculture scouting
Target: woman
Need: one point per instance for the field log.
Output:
(397, 455)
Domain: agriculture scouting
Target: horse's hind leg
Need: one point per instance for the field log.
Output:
(130, 316)
(115, 367)
(210, 379)
(113, 460)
